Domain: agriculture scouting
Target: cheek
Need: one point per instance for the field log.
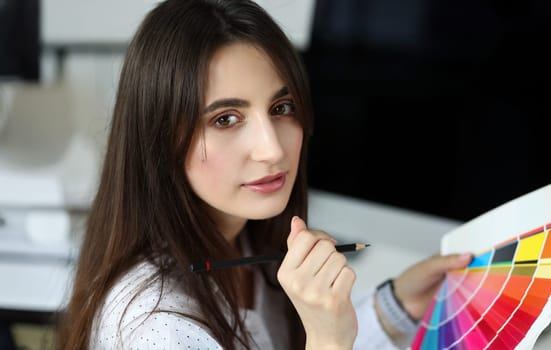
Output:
(193, 159)
(293, 145)
(207, 167)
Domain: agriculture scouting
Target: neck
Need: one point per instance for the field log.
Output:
(231, 229)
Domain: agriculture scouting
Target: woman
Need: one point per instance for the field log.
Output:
(206, 160)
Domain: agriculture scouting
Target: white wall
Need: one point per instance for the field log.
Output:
(86, 21)
(114, 21)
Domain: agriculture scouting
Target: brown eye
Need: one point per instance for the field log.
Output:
(285, 108)
(226, 121)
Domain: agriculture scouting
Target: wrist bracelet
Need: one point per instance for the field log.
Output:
(393, 309)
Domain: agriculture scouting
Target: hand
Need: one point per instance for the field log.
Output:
(319, 281)
(416, 286)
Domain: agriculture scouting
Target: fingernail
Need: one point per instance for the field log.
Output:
(466, 257)
(295, 218)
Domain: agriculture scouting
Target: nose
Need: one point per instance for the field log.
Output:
(267, 145)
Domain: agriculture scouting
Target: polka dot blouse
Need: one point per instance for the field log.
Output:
(126, 320)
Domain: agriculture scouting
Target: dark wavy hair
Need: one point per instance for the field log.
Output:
(145, 209)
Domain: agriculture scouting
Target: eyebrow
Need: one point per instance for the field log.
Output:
(236, 102)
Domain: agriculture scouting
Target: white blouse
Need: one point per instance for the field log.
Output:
(126, 322)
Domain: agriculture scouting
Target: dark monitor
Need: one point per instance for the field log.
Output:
(19, 40)
(436, 106)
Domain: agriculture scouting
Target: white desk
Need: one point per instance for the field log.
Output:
(30, 287)
(34, 284)
(398, 239)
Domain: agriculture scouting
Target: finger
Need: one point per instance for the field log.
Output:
(329, 272)
(440, 264)
(297, 225)
(426, 275)
(301, 247)
(344, 281)
(462, 260)
(317, 258)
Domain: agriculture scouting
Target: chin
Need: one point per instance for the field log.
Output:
(263, 215)
(267, 211)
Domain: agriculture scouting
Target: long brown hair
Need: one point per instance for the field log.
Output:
(145, 208)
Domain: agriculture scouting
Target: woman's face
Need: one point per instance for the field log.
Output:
(243, 161)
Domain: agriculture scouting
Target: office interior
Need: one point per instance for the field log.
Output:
(427, 114)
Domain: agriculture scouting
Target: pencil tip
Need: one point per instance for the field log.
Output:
(361, 246)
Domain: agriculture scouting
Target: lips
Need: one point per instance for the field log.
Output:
(267, 184)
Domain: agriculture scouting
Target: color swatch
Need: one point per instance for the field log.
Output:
(494, 301)
(501, 300)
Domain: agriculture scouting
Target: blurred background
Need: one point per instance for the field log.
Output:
(439, 108)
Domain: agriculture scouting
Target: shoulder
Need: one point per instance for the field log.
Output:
(141, 312)
(163, 330)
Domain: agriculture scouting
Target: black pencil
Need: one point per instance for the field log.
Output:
(208, 266)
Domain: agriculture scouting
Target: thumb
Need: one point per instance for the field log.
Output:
(297, 225)
(462, 260)
(458, 261)
(450, 262)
